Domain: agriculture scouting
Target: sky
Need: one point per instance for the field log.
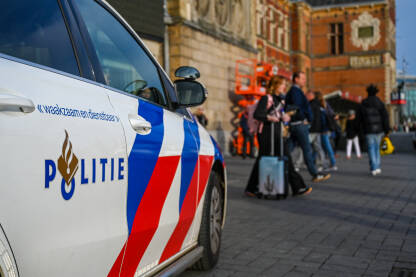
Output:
(406, 35)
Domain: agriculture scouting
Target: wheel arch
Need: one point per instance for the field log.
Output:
(7, 255)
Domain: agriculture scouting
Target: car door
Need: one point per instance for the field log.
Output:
(63, 155)
(162, 145)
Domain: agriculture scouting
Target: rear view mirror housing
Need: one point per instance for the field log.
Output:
(187, 73)
(190, 93)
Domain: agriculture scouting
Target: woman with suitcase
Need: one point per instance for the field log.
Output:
(269, 111)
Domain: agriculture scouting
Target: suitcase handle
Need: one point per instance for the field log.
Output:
(280, 137)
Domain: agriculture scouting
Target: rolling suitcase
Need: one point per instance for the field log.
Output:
(273, 183)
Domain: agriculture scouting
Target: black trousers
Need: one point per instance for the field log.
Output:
(295, 179)
(247, 138)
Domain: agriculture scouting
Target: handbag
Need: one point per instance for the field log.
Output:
(386, 146)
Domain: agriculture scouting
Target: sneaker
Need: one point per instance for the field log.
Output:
(333, 168)
(250, 194)
(348, 157)
(320, 168)
(321, 177)
(378, 171)
(374, 172)
(304, 191)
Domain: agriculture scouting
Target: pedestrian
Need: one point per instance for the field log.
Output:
(374, 120)
(352, 130)
(328, 126)
(299, 125)
(267, 113)
(315, 131)
(337, 134)
(200, 116)
(247, 135)
(297, 157)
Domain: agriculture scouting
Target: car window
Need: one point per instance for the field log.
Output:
(170, 89)
(35, 31)
(125, 65)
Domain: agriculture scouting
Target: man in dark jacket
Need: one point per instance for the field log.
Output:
(316, 130)
(374, 120)
(299, 125)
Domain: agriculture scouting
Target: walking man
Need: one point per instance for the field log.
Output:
(374, 120)
(315, 131)
(299, 126)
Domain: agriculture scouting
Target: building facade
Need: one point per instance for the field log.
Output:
(147, 19)
(341, 45)
(273, 39)
(212, 36)
(352, 45)
(408, 110)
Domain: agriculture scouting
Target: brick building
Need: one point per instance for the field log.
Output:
(342, 45)
(345, 45)
(273, 32)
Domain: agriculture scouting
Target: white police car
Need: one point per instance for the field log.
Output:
(103, 169)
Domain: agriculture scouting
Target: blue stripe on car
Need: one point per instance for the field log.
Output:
(189, 157)
(143, 158)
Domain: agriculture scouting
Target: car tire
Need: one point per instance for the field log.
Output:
(211, 224)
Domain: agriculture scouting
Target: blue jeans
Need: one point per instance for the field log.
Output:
(328, 148)
(373, 148)
(317, 149)
(300, 134)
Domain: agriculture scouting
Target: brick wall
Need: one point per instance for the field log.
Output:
(358, 66)
(215, 59)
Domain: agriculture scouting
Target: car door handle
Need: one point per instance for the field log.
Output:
(139, 124)
(13, 103)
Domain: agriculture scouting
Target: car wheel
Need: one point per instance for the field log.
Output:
(210, 232)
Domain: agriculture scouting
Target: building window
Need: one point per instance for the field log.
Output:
(366, 32)
(272, 27)
(261, 18)
(337, 38)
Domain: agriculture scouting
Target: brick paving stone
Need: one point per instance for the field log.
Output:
(331, 273)
(351, 225)
(317, 257)
(296, 273)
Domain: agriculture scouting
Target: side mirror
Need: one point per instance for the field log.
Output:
(190, 93)
(187, 73)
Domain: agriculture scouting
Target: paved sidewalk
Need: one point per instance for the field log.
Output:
(351, 225)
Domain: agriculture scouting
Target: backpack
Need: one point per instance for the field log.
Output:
(253, 124)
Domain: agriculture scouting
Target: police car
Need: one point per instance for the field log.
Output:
(104, 172)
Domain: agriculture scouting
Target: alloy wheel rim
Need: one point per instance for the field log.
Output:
(215, 219)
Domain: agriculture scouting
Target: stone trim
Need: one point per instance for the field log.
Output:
(365, 20)
(337, 68)
(348, 5)
(348, 54)
(223, 37)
